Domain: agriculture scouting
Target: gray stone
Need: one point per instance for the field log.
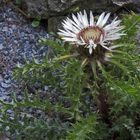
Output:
(133, 5)
(60, 5)
(54, 10)
(125, 2)
(54, 23)
(35, 8)
(97, 6)
(49, 8)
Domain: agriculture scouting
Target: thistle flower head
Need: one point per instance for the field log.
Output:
(83, 30)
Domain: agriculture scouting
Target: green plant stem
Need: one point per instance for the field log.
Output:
(102, 96)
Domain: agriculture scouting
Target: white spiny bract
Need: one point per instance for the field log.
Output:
(82, 30)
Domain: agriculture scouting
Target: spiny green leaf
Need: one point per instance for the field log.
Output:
(82, 129)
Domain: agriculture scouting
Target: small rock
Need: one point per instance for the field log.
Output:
(46, 88)
(4, 85)
(1, 46)
(5, 29)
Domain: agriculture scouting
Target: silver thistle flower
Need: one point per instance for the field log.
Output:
(86, 32)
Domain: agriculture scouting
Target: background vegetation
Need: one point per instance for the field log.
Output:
(70, 109)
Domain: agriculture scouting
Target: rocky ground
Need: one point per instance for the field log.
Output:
(18, 40)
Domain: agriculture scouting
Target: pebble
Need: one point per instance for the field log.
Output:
(5, 86)
(18, 40)
(1, 46)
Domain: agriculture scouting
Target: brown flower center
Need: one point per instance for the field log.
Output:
(92, 32)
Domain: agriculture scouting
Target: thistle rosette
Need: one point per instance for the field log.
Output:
(82, 31)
